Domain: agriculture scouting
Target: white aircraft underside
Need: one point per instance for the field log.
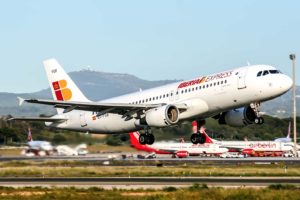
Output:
(172, 104)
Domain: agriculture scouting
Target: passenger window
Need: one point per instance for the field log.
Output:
(167, 95)
(189, 89)
(259, 73)
(221, 82)
(214, 83)
(164, 96)
(210, 84)
(193, 89)
(185, 91)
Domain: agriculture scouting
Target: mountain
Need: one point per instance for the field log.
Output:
(101, 85)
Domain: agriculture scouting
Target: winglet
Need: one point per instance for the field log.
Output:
(21, 101)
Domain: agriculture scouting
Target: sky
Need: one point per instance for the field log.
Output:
(153, 40)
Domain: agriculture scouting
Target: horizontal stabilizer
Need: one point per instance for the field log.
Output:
(42, 119)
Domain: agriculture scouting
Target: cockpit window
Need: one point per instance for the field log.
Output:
(266, 72)
(274, 72)
(259, 73)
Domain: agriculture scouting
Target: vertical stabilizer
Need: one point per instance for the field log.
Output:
(62, 86)
(29, 136)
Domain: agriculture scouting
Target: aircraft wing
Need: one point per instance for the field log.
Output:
(43, 119)
(101, 108)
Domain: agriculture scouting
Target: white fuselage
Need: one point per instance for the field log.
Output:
(191, 148)
(262, 146)
(203, 97)
(40, 145)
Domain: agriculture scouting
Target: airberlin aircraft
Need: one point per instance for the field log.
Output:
(232, 97)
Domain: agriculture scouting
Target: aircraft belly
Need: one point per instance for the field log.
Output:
(111, 123)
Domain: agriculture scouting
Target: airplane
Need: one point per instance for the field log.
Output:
(254, 148)
(232, 97)
(65, 150)
(287, 138)
(179, 149)
(36, 147)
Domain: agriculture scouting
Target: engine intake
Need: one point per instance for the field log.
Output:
(238, 117)
(162, 116)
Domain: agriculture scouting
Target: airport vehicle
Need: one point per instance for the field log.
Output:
(178, 149)
(232, 97)
(255, 148)
(37, 148)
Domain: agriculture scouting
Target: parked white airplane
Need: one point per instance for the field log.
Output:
(287, 138)
(254, 148)
(36, 147)
(233, 97)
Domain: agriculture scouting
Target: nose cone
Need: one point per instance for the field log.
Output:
(286, 83)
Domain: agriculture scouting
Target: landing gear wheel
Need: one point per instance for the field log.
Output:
(150, 139)
(142, 139)
(195, 138)
(202, 138)
(262, 120)
(259, 120)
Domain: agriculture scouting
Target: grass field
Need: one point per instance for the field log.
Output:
(86, 169)
(168, 193)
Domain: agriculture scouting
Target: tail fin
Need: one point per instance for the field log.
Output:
(289, 130)
(62, 86)
(134, 139)
(29, 136)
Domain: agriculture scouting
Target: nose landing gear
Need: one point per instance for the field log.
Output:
(256, 106)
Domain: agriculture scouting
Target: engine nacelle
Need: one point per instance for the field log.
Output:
(162, 116)
(238, 117)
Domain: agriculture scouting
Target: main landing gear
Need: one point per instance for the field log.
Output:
(146, 138)
(198, 137)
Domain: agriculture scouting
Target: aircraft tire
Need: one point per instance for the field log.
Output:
(202, 138)
(150, 139)
(143, 139)
(195, 138)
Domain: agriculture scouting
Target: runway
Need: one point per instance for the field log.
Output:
(100, 158)
(148, 182)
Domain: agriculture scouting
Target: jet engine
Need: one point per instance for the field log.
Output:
(238, 117)
(162, 116)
